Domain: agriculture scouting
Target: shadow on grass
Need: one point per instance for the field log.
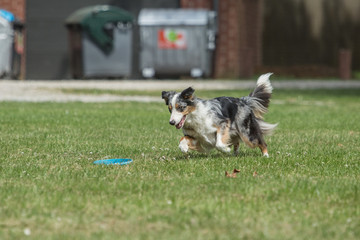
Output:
(218, 155)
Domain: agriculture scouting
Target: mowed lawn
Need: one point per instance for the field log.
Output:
(309, 188)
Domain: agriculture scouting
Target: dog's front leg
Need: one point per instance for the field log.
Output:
(184, 145)
(187, 143)
(223, 138)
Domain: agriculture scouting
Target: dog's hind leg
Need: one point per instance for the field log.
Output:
(251, 134)
(260, 142)
(191, 143)
(256, 142)
(264, 150)
(236, 148)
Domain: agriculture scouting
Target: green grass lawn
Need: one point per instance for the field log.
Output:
(309, 188)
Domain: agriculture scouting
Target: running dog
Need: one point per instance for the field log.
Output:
(221, 122)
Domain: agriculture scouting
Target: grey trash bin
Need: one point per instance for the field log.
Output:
(6, 43)
(176, 42)
(11, 45)
(100, 42)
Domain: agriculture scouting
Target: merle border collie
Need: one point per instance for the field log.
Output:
(221, 122)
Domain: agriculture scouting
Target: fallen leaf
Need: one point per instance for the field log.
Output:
(233, 174)
(340, 145)
(255, 174)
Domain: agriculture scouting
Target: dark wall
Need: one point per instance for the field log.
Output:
(288, 39)
(47, 55)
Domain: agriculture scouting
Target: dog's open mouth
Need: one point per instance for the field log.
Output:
(181, 123)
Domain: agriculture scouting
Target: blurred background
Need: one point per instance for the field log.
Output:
(231, 39)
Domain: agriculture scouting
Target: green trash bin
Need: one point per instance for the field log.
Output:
(100, 39)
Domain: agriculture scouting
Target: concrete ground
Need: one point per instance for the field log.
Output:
(41, 91)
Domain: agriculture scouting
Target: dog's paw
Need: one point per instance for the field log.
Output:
(184, 147)
(266, 155)
(226, 149)
(223, 148)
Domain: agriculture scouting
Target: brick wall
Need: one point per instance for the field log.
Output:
(17, 7)
(238, 49)
(205, 4)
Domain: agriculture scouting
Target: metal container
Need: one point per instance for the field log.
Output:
(176, 42)
(11, 45)
(6, 43)
(115, 63)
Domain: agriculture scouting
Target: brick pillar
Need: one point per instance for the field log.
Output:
(345, 64)
(228, 39)
(18, 8)
(251, 37)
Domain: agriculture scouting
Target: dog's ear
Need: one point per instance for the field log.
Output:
(167, 96)
(188, 93)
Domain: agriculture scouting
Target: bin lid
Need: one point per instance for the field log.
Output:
(153, 17)
(100, 13)
(92, 19)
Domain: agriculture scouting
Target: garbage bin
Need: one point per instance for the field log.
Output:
(176, 42)
(100, 39)
(11, 45)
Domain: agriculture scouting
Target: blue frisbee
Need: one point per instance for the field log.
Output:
(118, 161)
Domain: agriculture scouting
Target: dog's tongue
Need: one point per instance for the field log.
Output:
(181, 123)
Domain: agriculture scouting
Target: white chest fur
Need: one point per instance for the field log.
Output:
(199, 125)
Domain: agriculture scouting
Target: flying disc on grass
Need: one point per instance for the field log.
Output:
(117, 161)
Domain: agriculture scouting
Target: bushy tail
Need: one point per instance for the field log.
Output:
(266, 128)
(259, 101)
(260, 97)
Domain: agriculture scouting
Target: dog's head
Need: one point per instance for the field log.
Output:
(180, 105)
